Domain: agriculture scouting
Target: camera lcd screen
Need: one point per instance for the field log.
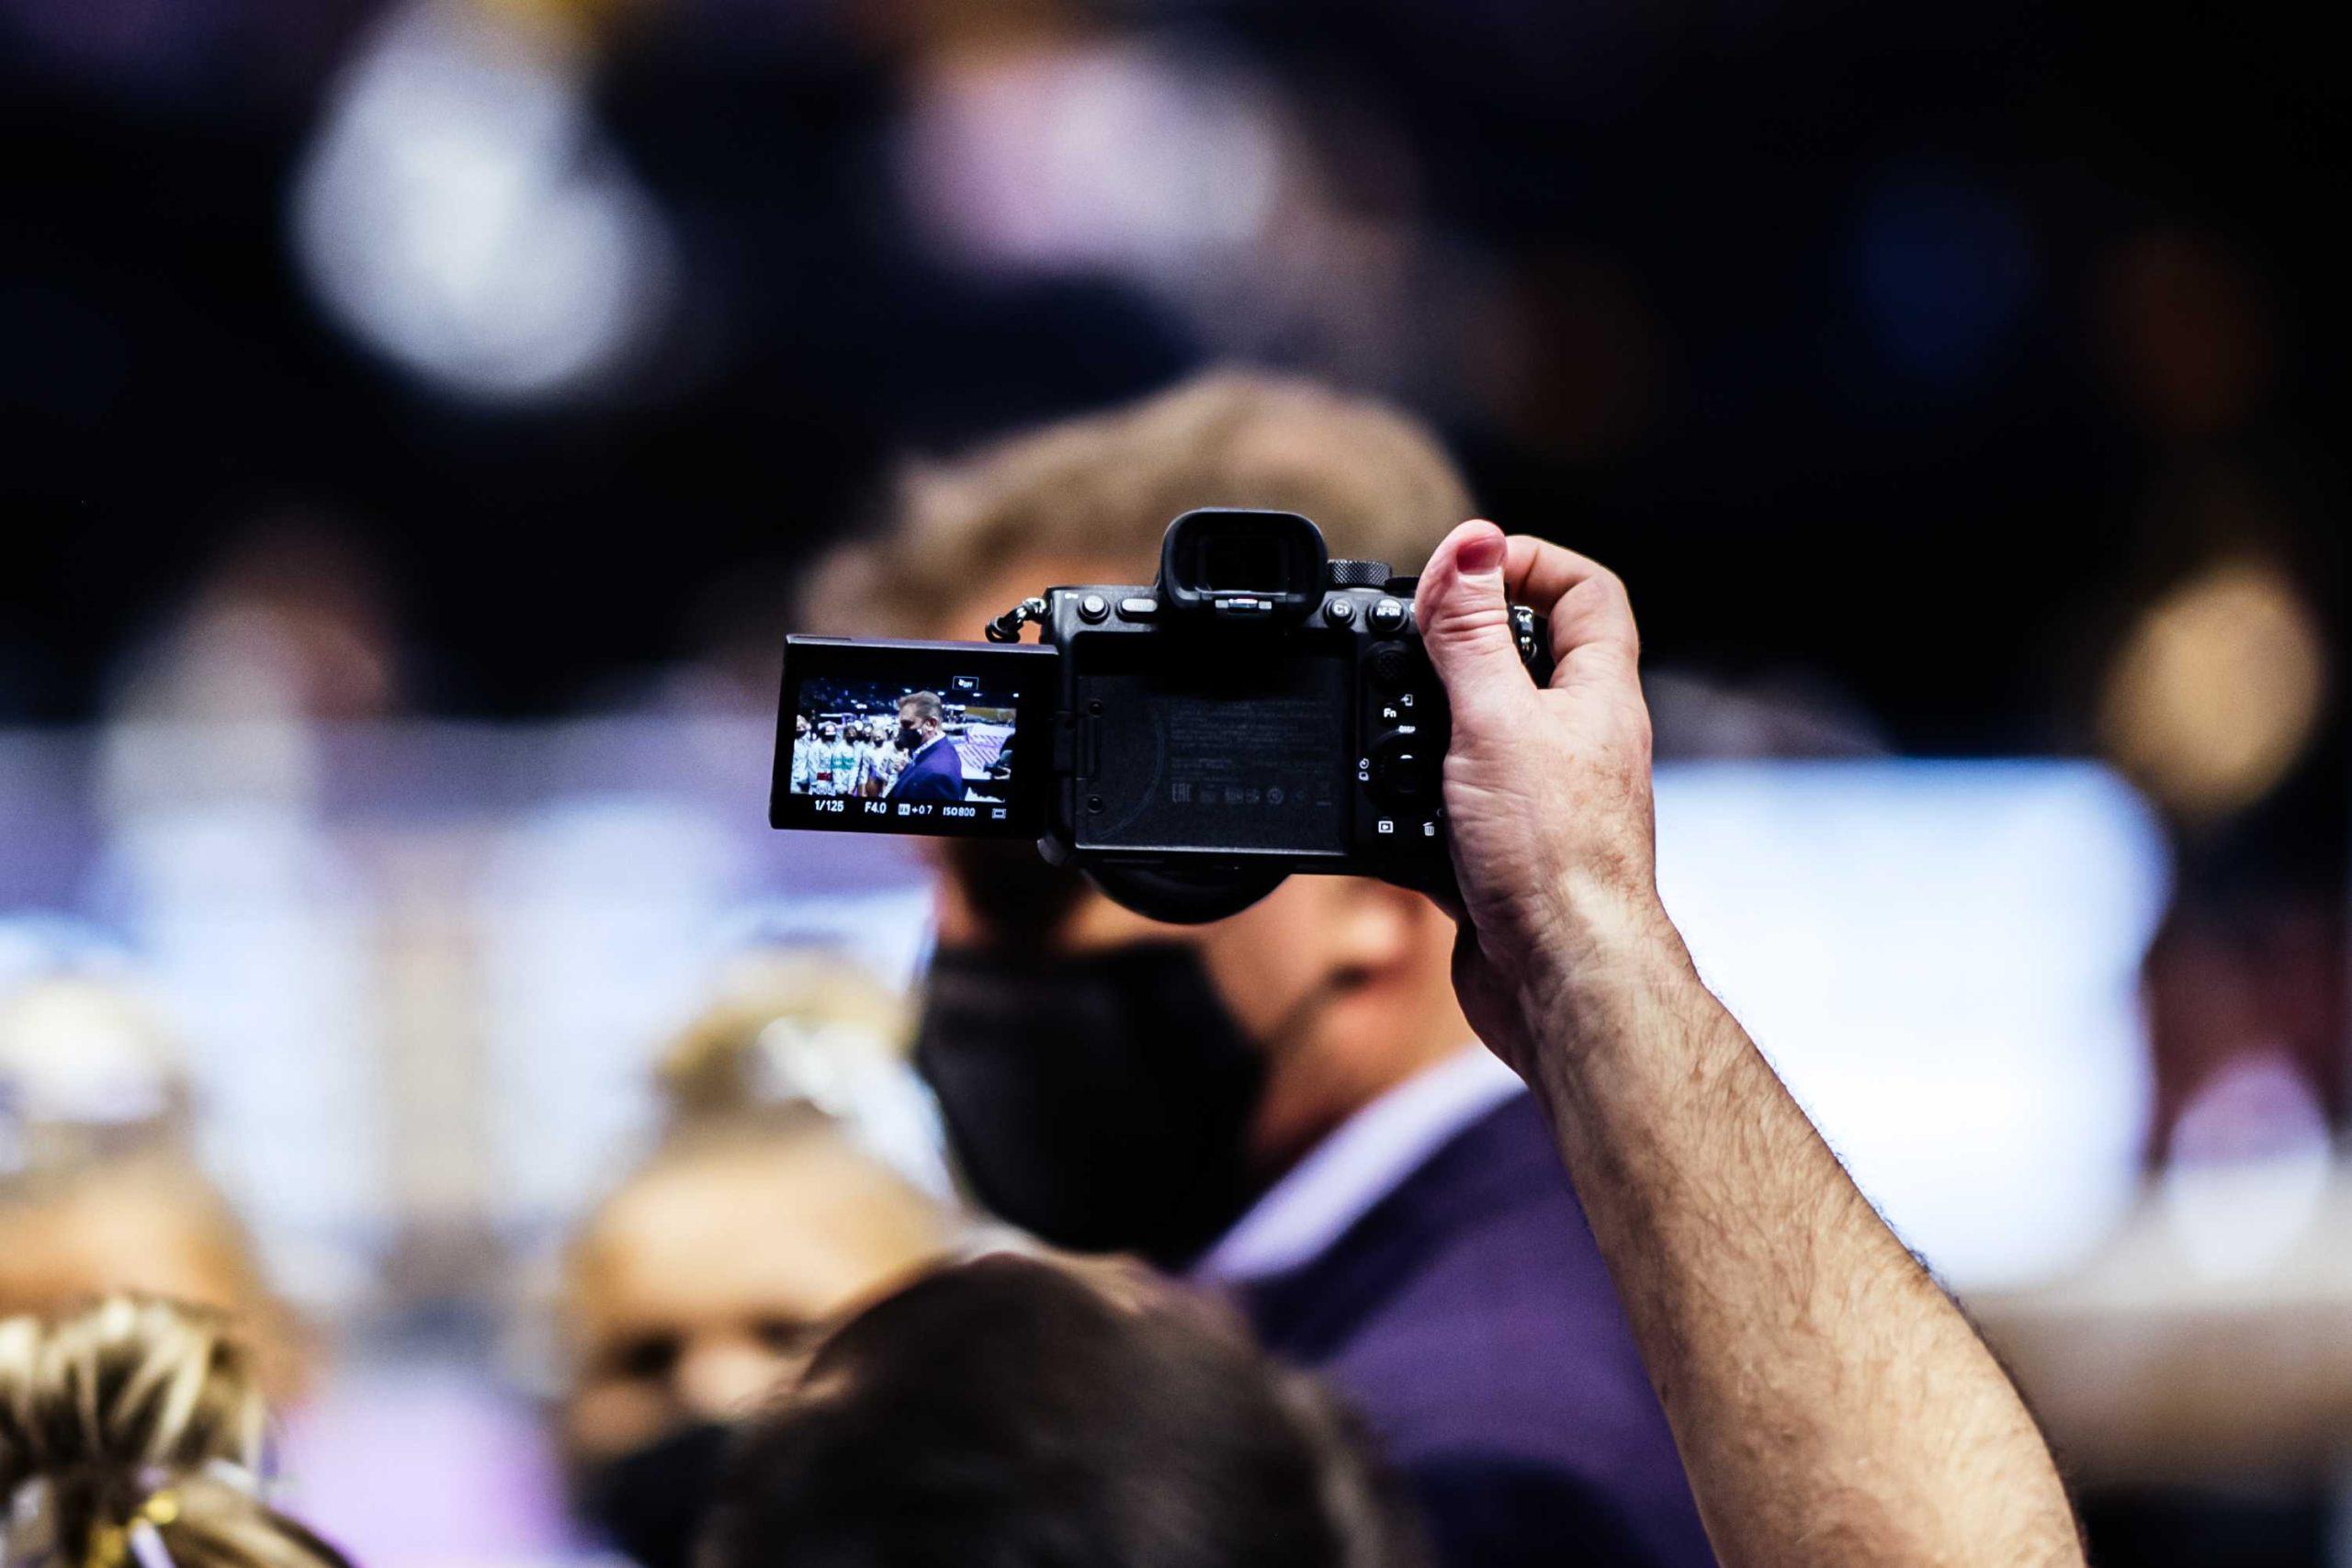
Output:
(911, 738)
(1243, 749)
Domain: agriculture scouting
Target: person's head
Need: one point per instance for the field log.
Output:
(137, 1420)
(921, 717)
(1016, 1410)
(698, 1284)
(1341, 987)
(147, 1222)
(789, 1023)
(695, 1284)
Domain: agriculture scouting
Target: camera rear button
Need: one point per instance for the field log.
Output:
(1094, 608)
(1339, 611)
(1392, 664)
(1387, 616)
(1138, 609)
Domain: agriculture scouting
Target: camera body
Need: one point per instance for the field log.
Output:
(1259, 710)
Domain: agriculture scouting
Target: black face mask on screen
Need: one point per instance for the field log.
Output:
(1102, 1101)
(651, 1502)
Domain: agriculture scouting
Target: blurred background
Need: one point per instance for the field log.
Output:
(413, 415)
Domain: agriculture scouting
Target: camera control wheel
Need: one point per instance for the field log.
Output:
(1402, 770)
(1356, 573)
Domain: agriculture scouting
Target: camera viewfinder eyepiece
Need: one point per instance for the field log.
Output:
(1242, 566)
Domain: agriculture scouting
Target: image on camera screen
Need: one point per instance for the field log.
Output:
(941, 754)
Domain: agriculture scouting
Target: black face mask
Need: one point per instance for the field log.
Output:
(910, 737)
(1102, 1102)
(652, 1502)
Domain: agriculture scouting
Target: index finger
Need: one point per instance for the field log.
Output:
(1585, 601)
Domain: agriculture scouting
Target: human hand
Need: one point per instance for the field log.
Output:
(1546, 789)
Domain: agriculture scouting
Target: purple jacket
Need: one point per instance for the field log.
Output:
(936, 775)
(1469, 1316)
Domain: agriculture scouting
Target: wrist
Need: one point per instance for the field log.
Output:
(1607, 951)
(1589, 919)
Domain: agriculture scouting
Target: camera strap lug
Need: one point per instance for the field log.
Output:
(1007, 627)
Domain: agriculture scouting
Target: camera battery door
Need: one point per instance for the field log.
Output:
(950, 739)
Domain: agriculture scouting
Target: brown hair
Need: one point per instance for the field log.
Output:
(1014, 1410)
(140, 1415)
(1374, 478)
(926, 705)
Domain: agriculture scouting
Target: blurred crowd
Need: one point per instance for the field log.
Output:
(1281, 1110)
(1946, 384)
(796, 1171)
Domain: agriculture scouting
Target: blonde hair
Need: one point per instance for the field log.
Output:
(148, 1222)
(1373, 478)
(137, 1418)
(779, 1018)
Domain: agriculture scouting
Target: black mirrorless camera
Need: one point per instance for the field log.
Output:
(1261, 709)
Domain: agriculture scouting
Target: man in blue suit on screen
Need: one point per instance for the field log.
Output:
(934, 770)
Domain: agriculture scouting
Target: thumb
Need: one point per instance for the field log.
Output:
(1464, 617)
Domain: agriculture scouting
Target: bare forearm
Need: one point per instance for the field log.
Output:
(1830, 1403)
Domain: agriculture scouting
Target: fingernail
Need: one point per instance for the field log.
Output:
(1482, 551)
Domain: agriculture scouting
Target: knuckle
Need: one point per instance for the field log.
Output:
(1461, 622)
